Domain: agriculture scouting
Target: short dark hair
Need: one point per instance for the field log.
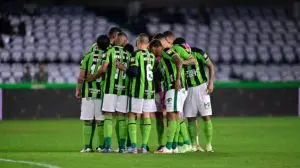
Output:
(129, 48)
(103, 42)
(122, 34)
(158, 36)
(179, 40)
(155, 43)
(168, 33)
(114, 30)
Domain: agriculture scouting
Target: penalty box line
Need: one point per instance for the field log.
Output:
(29, 163)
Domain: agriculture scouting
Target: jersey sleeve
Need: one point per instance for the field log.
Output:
(182, 52)
(134, 59)
(201, 55)
(84, 62)
(107, 55)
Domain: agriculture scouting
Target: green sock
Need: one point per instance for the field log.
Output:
(87, 131)
(147, 131)
(142, 126)
(160, 132)
(132, 132)
(171, 130)
(107, 130)
(100, 128)
(128, 141)
(122, 131)
(193, 131)
(94, 125)
(176, 137)
(184, 132)
(180, 140)
(208, 130)
(117, 129)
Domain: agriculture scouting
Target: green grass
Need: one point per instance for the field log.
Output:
(238, 142)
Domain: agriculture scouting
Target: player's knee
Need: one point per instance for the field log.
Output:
(131, 115)
(88, 122)
(191, 119)
(206, 118)
(146, 115)
(171, 116)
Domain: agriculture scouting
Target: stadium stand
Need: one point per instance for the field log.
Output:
(246, 43)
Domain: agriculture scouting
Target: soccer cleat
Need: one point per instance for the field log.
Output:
(180, 149)
(160, 148)
(175, 150)
(187, 148)
(86, 150)
(108, 150)
(165, 150)
(122, 151)
(199, 148)
(143, 150)
(209, 148)
(133, 150)
(100, 150)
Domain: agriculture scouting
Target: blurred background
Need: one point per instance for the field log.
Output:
(257, 40)
(43, 41)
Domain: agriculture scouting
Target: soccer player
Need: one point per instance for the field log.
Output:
(198, 99)
(90, 92)
(142, 93)
(159, 98)
(115, 90)
(174, 80)
(112, 34)
(170, 37)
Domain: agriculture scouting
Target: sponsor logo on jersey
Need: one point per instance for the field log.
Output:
(169, 100)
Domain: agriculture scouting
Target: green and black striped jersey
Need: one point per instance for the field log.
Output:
(169, 70)
(91, 62)
(142, 86)
(195, 74)
(94, 47)
(115, 80)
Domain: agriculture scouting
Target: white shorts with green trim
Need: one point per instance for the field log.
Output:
(112, 103)
(174, 100)
(197, 101)
(91, 109)
(140, 106)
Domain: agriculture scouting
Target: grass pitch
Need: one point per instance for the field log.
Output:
(238, 143)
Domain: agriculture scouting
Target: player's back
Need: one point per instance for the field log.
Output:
(115, 79)
(91, 62)
(143, 86)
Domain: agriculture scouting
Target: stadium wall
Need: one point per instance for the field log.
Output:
(30, 101)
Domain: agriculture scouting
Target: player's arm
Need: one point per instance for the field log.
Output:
(187, 58)
(178, 63)
(81, 76)
(133, 69)
(211, 72)
(102, 70)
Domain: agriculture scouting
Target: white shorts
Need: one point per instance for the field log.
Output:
(139, 106)
(113, 103)
(197, 101)
(91, 109)
(174, 100)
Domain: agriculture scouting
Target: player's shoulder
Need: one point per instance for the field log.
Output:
(168, 50)
(198, 50)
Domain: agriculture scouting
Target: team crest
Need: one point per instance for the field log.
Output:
(205, 55)
(207, 105)
(169, 100)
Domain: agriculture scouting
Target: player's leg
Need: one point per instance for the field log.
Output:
(134, 108)
(86, 116)
(99, 118)
(206, 111)
(192, 128)
(121, 108)
(94, 125)
(159, 121)
(149, 107)
(108, 108)
(177, 133)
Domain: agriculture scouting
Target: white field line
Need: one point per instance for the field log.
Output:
(29, 163)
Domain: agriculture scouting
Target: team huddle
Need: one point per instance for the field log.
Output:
(163, 76)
